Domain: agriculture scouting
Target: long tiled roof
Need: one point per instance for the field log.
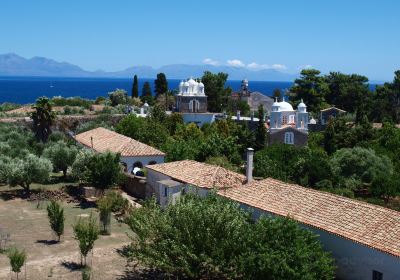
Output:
(107, 140)
(364, 223)
(200, 174)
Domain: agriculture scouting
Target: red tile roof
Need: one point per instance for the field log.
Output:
(200, 174)
(368, 224)
(107, 140)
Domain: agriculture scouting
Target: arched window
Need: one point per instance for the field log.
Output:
(125, 166)
(138, 164)
(152, 162)
(289, 138)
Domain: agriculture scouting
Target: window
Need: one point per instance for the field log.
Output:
(284, 119)
(291, 119)
(138, 164)
(152, 162)
(376, 275)
(289, 138)
(165, 191)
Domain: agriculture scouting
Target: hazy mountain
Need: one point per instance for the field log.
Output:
(15, 65)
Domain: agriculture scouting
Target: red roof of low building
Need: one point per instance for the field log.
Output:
(102, 140)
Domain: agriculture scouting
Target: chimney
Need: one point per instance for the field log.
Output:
(249, 165)
(238, 115)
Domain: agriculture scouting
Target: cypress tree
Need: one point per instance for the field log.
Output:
(261, 132)
(135, 87)
(161, 84)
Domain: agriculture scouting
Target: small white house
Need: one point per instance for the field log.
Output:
(133, 153)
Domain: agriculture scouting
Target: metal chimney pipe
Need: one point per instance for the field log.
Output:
(249, 165)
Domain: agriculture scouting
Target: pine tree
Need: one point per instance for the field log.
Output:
(135, 87)
(146, 94)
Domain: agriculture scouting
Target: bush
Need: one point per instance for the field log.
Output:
(56, 218)
(104, 170)
(213, 237)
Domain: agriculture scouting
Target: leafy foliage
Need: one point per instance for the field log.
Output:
(213, 238)
(61, 155)
(17, 259)
(135, 87)
(28, 170)
(86, 232)
(55, 212)
(217, 94)
(118, 96)
(43, 118)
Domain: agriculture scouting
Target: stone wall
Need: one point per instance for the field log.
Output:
(135, 186)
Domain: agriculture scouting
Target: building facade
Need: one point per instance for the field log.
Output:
(191, 97)
(287, 125)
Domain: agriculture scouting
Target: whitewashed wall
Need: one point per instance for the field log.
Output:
(145, 160)
(354, 261)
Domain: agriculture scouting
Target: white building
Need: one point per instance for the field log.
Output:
(364, 239)
(133, 153)
(287, 125)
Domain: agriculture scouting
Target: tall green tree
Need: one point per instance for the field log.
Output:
(86, 231)
(261, 131)
(135, 87)
(146, 94)
(347, 92)
(161, 85)
(43, 118)
(310, 87)
(217, 94)
(387, 101)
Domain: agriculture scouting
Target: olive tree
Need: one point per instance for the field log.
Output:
(28, 170)
(61, 155)
(80, 165)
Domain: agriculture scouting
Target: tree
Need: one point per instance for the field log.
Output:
(217, 94)
(214, 238)
(387, 100)
(161, 85)
(80, 166)
(56, 218)
(261, 132)
(104, 170)
(86, 231)
(28, 170)
(358, 167)
(43, 118)
(118, 96)
(17, 259)
(135, 87)
(147, 96)
(311, 88)
(61, 155)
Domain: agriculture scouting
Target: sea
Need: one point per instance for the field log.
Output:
(24, 90)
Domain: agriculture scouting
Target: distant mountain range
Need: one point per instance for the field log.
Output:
(15, 65)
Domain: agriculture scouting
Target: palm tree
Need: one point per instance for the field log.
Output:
(43, 118)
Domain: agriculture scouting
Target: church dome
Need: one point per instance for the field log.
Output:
(313, 121)
(285, 106)
(201, 85)
(192, 82)
(301, 105)
(186, 84)
(181, 84)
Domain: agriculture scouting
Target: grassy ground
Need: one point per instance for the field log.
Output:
(28, 225)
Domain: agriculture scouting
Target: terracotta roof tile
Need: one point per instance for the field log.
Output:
(364, 223)
(200, 174)
(107, 140)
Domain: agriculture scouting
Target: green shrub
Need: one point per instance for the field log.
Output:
(86, 231)
(56, 218)
(17, 259)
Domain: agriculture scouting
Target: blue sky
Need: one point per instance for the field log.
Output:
(353, 36)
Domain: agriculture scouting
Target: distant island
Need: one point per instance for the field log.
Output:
(14, 65)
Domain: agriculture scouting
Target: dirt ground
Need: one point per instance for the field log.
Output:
(28, 226)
